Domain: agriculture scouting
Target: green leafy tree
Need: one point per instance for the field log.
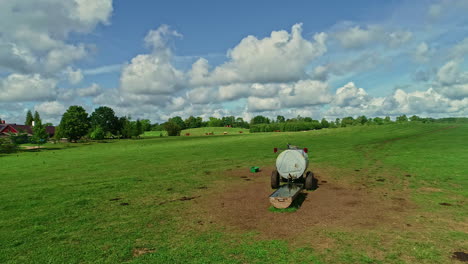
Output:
(29, 118)
(338, 122)
(37, 117)
(259, 120)
(137, 128)
(105, 118)
(280, 119)
(387, 120)
(414, 118)
(97, 133)
(193, 122)
(126, 130)
(361, 120)
(146, 124)
(7, 145)
(40, 135)
(228, 120)
(215, 122)
(179, 121)
(347, 121)
(378, 121)
(75, 123)
(156, 127)
(172, 128)
(325, 123)
(402, 118)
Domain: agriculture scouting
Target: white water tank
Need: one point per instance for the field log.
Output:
(292, 163)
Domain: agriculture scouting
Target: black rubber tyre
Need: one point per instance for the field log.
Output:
(275, 179)
(309, 181)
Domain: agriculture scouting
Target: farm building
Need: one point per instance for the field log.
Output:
(5, 129)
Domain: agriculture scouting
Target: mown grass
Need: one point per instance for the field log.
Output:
(201, 131)
(67, 203)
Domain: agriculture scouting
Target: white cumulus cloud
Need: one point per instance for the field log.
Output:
(74, 76)
(20, 87)
(281, 57)
(92, 90)
(153, 73)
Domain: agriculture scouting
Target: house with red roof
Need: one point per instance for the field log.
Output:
(6, 129)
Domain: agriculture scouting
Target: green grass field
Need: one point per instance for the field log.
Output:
(201, 131)
(387, 194)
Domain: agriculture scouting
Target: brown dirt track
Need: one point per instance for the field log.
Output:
(332, 205)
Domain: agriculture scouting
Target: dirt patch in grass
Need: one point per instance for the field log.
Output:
(184, 198)
(430, 189)
(136, 252)
(333, 205)
(461, 256)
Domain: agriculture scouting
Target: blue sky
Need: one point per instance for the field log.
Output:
(157, 59)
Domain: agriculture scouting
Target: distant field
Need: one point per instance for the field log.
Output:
(387, 194)
(201, 131)
(154, 133)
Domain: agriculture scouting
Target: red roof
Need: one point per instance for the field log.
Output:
(14, 128)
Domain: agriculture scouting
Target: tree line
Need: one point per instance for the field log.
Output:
(102, 123)
(264, 124)
(76, 124)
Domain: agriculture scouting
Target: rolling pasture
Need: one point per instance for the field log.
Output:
(387, 194)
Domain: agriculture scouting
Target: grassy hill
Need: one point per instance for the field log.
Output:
(387, 194)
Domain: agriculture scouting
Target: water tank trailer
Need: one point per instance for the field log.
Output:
(291, 167)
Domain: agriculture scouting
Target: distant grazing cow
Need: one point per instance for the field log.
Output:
(187, 134)
(225, 133)
(240, 132)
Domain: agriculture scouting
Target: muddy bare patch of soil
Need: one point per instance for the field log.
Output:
(461, 256)
(446, 204)
(245, 207)
(184, 198)
(136, 252)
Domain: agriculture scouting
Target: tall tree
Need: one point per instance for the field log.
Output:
(193, 122)
(37, 118)
(324, 123)
(228, 120)
(29, 118)
(337, 122)
(402, 118)
(172, 128)
(259, 120)
(40, 135)
(179, 121)
(75, 123)
(125, 127)
(215, 122)
(105, 118)
(138, 129)
(280, 119)
(146, 124)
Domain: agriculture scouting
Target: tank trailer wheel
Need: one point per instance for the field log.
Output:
(275, 179)
(309, 181)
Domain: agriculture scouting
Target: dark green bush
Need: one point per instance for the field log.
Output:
(7, 145)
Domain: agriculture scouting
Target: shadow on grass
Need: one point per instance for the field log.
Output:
(296, 204)
(40, 149)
